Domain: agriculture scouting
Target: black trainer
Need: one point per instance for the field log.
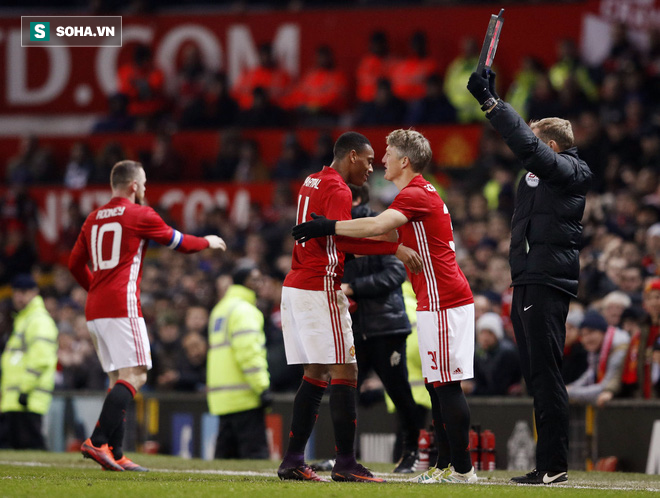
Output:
(408, 462)
(539, 477)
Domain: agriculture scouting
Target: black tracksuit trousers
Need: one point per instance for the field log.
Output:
(387, 356)
(538, 314)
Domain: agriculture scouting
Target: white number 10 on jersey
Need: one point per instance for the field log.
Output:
(114, 230)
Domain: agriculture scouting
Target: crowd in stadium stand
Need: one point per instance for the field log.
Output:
(614, 109)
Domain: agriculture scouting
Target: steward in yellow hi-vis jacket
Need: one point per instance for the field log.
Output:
(237, 371)
(28, 368)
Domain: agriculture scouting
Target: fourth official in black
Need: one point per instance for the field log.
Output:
(546, 232)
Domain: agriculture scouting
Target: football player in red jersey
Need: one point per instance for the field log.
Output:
(445, 306)
(315, 319)
(114, 238)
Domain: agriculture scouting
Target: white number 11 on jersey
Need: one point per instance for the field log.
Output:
(302, 219)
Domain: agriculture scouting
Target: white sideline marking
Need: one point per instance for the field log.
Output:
(627, 486)
(176, 471)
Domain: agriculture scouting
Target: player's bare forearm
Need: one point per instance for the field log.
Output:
(384, 223)
(360, 227)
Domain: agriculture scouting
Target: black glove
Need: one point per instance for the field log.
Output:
(23, 399)
(479, 87)
(266, 398)
(491, 84)
(319, 226)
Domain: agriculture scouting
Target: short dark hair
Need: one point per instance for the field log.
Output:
(124, 172)
(378, 37)
(351, 140)
(142, 53)
(361, 191)
(242, 273)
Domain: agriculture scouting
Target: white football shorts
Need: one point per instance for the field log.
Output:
(446, 343)
(317, 327)
(120, 342)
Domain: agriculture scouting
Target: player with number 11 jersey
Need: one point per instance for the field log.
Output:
(445, 306)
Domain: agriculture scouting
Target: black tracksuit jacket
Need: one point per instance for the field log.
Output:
(546, 226)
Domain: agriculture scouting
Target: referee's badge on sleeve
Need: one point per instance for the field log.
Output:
(532, 180)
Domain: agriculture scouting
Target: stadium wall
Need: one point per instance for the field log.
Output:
(178, 424)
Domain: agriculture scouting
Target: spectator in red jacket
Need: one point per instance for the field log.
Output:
(266, 75)
(323, 90)
(373, 66)
(409, 76)
(143, 84)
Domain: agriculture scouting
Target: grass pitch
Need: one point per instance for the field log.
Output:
(65, 475)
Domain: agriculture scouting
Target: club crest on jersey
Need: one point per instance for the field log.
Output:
(352, 351)
(532, 180)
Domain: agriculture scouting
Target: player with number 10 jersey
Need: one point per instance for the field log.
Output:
(115, 238)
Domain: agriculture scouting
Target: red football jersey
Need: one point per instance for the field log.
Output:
(114, 238)
(442, 284)
(318, 264)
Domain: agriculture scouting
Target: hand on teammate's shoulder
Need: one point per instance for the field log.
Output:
(216, 242)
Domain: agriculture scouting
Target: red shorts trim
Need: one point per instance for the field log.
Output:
(344, 382)
(127, 385)
(316, 382)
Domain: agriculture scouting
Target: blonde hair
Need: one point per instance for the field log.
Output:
(124, 172)
(557, 129)
(413, 145)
